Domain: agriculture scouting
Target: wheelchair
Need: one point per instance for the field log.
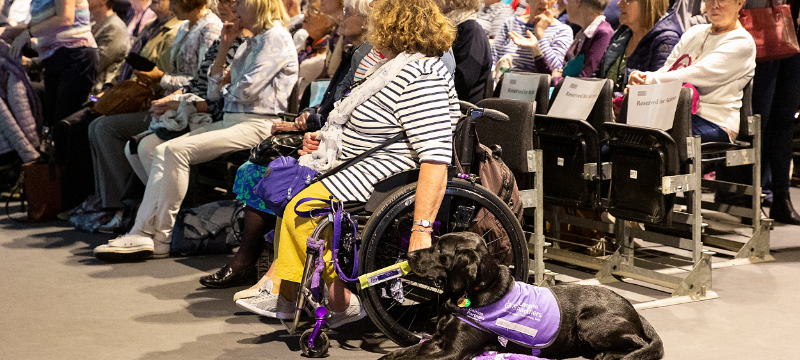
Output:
(407, 308)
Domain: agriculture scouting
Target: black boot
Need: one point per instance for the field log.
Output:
(782, 210)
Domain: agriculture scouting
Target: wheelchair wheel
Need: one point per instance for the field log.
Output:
(407, 309)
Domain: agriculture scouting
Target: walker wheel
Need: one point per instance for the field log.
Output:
(321, 344)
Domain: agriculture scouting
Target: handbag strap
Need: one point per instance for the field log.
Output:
(361, 156)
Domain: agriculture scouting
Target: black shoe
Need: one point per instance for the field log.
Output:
(782, 210)
(225, 278)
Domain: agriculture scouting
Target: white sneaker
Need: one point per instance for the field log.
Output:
(354, 312)
(130, 248)
(248, 293)
(268, 304)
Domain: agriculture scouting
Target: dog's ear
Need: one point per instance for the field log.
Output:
(464, 270)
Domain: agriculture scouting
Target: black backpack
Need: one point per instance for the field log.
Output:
(208, 229)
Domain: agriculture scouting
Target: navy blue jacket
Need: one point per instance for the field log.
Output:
(651, 52)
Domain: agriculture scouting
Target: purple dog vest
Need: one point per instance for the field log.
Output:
(528, 315)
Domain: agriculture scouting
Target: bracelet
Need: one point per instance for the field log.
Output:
(429, 231)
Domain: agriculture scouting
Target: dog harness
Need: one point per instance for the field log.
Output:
(528, 315)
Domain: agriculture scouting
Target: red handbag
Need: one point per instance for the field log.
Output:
(772, 28)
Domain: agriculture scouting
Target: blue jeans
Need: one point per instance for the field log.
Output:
(708, 131)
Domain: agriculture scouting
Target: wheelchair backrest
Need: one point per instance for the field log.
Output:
(602, 111)
(542, 91)
(515, 137)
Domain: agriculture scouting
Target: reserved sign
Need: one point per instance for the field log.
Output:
(653, 105)
(520, 86)
(576, 98)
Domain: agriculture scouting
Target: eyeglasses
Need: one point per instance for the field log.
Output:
(719, 2)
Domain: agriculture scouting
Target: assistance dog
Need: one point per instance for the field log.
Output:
(564, 321)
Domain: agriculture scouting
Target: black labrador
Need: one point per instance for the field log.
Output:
(595, 322)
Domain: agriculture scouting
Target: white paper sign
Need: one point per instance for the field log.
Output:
(576, 98)
(520, 86)
(653, 105)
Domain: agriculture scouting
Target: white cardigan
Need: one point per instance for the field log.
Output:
(720, 72)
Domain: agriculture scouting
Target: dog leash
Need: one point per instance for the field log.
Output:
(336, 209)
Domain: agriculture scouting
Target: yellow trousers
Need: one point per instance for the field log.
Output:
(294, 233)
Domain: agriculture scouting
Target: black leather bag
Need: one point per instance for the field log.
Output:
(275, 146)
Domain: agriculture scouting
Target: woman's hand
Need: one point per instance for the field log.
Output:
(541, 22)
(160, 106)
(230, 31)
(419, 241)
(19, 42)
(529, 42)
(149, 77)
(310, 143)
(299, 124)
(226, 77)
(637, 78)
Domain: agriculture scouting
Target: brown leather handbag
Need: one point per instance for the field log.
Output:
(773, 30)
(128, 96)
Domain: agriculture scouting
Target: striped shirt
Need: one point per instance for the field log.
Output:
(367, 63)
(554, 44)
(199, 84)
(493, 17)
(79, 34)
(263, 73)
(420, 102)
(190, 46)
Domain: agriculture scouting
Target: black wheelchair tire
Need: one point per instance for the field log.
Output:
(403, 200)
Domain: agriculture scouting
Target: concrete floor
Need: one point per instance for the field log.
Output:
(59, 302)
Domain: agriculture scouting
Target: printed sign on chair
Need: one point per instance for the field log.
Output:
(576, 98)
(653, 105)
(520, 86)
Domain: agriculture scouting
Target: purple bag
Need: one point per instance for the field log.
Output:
(282, 181)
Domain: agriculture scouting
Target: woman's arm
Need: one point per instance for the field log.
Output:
(430, 192)
(265, 60)
(63, 19)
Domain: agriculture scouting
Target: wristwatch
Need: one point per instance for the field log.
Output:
(423, 223)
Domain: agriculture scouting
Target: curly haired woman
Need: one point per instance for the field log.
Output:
(409, 92)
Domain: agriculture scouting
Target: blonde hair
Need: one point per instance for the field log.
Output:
(652, 10)
(412, 26)
(269, 13)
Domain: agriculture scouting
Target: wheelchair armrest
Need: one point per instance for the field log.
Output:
(386, 187)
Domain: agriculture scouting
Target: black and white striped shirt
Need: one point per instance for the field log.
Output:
(421, 102)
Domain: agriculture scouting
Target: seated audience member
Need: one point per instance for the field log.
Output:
(67, 51)
(553, 38)
(255, 87)
(258, 219)
(416, 97)
(108, 134)
(295, 26)
(647, 34)
(155, 40)
(141, 160)
(312, 57)
(492, 16)
(719, 60)
(15, 16)
(142, 15)
(113, 41)
(471, 49)
(585, 53)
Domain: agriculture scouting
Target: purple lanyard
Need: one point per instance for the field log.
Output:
(339, 215)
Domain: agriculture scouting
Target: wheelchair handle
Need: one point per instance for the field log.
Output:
(476, 112)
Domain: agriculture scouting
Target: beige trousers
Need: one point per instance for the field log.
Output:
(169, 173)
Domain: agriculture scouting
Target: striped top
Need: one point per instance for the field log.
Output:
(493, 17)
(189, 48)
(554, 44)
(199, 84)
(421, 102)
(79, 34)
(367, 63)
(263, 73)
